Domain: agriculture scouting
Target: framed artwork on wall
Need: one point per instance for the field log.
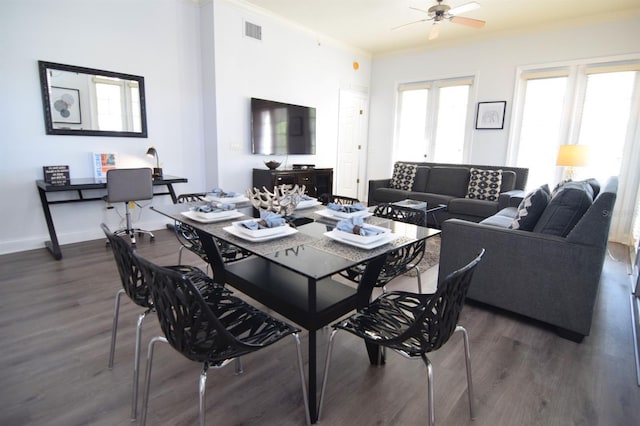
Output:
(490, 115)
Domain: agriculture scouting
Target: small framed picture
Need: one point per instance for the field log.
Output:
(65, 105)
(491, 115)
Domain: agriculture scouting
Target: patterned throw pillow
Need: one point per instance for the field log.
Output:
(403, 176)
(531, 208)
(484, 184)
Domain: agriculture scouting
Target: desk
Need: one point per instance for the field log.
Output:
(78, 186)
(292, 275)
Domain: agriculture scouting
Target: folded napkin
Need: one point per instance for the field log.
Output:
(305, 197)
(267, 220)
(356, 225)
(219, 193)
(346, 208)
(210, 208)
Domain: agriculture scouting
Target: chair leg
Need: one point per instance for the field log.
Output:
(467, 358)
(114, 329)
(201, 392)
(147, 381)
(136, 365)
(180, 255)
(305, 396)
(430, 397)
(326, 372)
(239, 369)
(419, 279)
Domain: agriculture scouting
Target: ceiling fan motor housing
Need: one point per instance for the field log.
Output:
(438, 11)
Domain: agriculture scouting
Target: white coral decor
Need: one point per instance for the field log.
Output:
(283, 200)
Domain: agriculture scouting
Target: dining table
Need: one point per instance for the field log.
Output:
(295, 273)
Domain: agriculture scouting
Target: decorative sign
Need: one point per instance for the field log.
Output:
(56, 175)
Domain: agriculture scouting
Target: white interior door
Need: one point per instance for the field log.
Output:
(352, 137)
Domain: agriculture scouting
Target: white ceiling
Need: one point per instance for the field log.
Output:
(367, 24)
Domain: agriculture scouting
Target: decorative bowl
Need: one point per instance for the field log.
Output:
(272, 164)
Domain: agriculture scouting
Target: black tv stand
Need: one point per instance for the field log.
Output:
(316, 181)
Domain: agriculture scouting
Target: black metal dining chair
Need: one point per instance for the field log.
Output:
(213, 332)
(135, 286)
(413, 325)
(189, 239)
(399, 261)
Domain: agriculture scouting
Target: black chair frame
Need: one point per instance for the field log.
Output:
(213, 332)
(413, 325)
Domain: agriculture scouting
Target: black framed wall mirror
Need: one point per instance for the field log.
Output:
(90, 102)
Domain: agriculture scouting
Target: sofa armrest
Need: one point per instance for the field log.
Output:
(510, 198)
(541, 276)
(376, 184)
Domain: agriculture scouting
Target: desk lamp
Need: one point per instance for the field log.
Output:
(572, 156)
(157, 171)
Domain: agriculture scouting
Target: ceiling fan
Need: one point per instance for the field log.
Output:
(441, 12)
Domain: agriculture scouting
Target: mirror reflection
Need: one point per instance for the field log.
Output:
(85, 101)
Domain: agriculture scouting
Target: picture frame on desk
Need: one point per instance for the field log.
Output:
(102, 163)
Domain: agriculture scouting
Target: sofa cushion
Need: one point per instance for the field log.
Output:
(448, 181)
(403, 176)
(390, 195)
(567, 205)
(484, 184)
(531, 208)
(420, 181)
(503, 219)
(471, 207)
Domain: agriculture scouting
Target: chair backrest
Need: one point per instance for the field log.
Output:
(133, 281)
(187, 321)
(337, 199)
(190, 198)
(125, 185)
(401, 214)
(439, 317)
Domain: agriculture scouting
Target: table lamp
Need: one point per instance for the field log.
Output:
(157, 171)
(571, 156)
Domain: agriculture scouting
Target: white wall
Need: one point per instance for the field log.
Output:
(199, 73)
(156, 39)
(494, 64)
(289, 65)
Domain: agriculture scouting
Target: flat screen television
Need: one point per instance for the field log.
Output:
(281, 129)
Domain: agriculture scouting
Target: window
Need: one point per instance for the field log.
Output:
(594, 104)
(116, 104)
(432, 120)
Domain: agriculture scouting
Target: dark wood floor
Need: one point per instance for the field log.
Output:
(55, 322)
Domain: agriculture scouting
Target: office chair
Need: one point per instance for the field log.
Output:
(127, 186)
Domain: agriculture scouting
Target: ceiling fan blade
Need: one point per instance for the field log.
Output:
(467, 7)
(435, 31)
(469, 22)
(419, 10)
(410, 23)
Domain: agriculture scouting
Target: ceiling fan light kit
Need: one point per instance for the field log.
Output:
(441, 12)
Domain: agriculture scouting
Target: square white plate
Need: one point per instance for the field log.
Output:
(360, 239)
(237, 199)
(259, 233)
(219, 217)
(234, 230)
(332, 214)
(305, 204)
(387, 237)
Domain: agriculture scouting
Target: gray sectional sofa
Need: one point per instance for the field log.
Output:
(548, 269)
(448, 184)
